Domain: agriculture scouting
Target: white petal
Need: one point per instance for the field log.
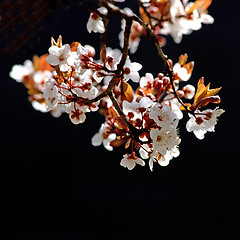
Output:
(53, 60)
(199, 133)
(97, 139)
(54, 50)
(134, 76)
(135, 66)
(140, 161)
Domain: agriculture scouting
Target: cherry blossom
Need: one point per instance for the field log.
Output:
(202, 122)
(130, 162)
(131, 70)
(104, 136)
(60, 56)
(19, 71)
(95, 23)
(164, 140)
(143, 119)
(163, 116)
(51, 94)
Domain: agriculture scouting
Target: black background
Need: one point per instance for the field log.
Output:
(55, 185)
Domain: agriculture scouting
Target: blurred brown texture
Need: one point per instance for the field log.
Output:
(21, 20)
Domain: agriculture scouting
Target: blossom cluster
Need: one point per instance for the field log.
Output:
(69, 79)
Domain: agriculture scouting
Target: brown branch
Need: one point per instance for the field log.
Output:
(113, 10)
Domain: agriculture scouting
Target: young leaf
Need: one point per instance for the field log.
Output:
(126, 91)
(203, 94)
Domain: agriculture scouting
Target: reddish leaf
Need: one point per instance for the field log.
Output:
(118, 142)
(120, 123)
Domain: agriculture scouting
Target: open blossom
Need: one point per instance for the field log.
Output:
(104, 137)
(203, 122)
(19, 71)
(95, 24)
(51, 94)
(163, 116)
(131, 70)
(135, 108)
(181, 25)
(60, 56)
(163, 160)
(181, 72)
(164, 140)
(147, 152)
(130, 162)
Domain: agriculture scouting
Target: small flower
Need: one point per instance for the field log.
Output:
(136, 107)
(130, 161)
(163, 116)
(77, 116)
(95, 24)
(203, 122)
(19, 71)
(50, 93)
(164, 140)
(59, 56)
(131, 70)
(181, 72)
(103, 137)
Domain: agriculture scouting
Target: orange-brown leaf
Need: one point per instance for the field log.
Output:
(143, 15)
(40, 63)
(113, 114)
(203, 92)
(127, 92)
(188, 105)
(202, 4)
(183, 59)
(74, 46)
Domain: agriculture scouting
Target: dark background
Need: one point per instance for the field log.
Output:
(55, 185)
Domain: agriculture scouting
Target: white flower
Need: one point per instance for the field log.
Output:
(77, 116)
(130, 162)
(102, 137)
(163, 116)
(95, 24)
(60, 56)
(181, 72)
(171, 101)
(180, 24)
(146, 151)
(131, 70)
(136, 107)
(203, 122)
(176, 29)
(19, 71)
(147, 80)
(164, 140)
(51, 94)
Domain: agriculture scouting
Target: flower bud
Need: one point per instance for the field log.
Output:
(189, 91)
(90, 50)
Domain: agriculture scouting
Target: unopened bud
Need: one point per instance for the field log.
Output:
(189, 91)
(166, 81)
(180, 93)
(90, 50)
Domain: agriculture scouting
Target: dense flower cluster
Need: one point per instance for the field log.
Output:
(145, 120)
